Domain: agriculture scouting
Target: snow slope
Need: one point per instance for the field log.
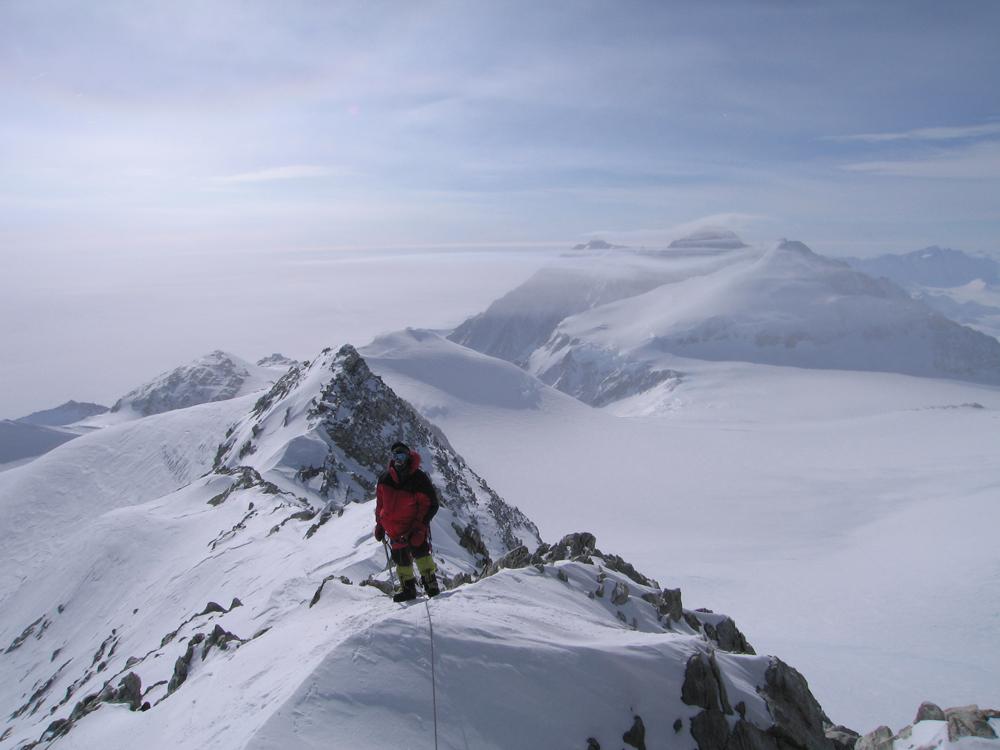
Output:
(99, 472)
(828, 511)
(20, 441)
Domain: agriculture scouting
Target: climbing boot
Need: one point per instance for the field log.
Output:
(430, 584)
(407, 591)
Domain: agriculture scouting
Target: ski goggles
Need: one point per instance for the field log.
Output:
(400, 457)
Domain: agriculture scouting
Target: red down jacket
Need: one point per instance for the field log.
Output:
(404, 506)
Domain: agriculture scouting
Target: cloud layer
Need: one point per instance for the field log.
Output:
(213, 125)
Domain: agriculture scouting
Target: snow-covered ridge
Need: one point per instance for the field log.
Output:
(597, 244)
(716, 239)
(216, 376)
(64, 414)
(276, 360)
(419, 355)
(325, 428)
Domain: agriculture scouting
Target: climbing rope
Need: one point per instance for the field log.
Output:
(430, 623)
(388, 563)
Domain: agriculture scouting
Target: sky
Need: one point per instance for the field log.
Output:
(150, 126)
(164, 166)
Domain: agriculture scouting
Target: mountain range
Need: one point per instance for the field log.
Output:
(962, 286)
(197, 568)
(616, 329)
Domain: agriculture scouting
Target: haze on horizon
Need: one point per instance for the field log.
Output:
(160, 162)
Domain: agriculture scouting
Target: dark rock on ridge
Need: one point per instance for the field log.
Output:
(636, 736)
(929, 712)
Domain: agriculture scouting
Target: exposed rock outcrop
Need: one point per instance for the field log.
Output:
(929, 712)
(797, 719)
(218, 638)
(880, 738)
(968, 721)
(636, 736)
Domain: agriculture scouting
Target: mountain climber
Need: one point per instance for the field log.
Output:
(405, 503)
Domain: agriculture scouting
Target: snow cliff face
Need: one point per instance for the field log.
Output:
(217, 376)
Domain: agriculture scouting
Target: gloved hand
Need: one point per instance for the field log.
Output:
(379, 532)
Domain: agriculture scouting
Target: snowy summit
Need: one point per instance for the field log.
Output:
(716, 239)
(216, 376)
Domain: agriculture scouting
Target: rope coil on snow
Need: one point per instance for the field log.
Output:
(430, 623)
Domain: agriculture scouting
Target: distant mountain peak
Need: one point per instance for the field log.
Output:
(215, 376)
(794, 246)
(597, 244)
(276, 360)
(68, 413)
(932, 266)
(710, 237)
